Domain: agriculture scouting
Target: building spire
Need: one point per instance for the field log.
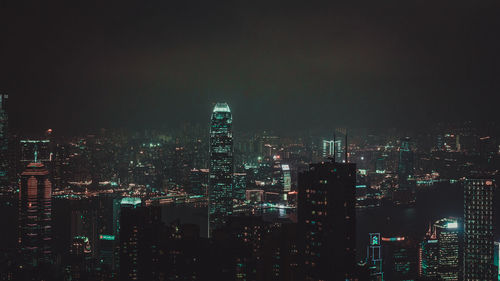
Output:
(346, 160)
(36, 153)
(334, 147)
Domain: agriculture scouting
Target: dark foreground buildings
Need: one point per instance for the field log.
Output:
(327, 221)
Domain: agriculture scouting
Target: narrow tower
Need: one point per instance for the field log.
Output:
(35, 215)
(220, 191)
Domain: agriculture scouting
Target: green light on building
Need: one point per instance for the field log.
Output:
(107, 237)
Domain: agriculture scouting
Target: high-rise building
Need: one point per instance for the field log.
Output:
(478, 263)
(405, 193)
(35, 215)
(4, 141)
(439, 253)
(400, 256)
(428, 255)
(405, 165)
(448, 235)
(198, 179)
(80, 258)
(140, 234)
(221, 166)
(327, 220)
(240, 186)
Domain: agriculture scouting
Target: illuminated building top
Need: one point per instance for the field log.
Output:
(221, 107)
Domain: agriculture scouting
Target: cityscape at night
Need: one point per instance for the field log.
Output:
(249, 140)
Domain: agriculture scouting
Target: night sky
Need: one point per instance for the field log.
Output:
(282, 65)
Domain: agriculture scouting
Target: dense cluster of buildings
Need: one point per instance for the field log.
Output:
(207, 203)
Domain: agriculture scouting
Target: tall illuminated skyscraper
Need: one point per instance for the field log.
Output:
(439, 251)
(4, 141)
(220, 191)
(478, 230)
(35, 215)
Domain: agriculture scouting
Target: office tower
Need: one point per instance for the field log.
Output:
(4, 141)
(80, 260)
(35, 222)
(374, 257)
(478, 230)
(327, 220)
(140, 234)
(198, 179)
(448, 235)
(220, 191)
(287, 180)
(400, 258)
(405, 165)
(328, 148)
(439, 251)
(405, 193)
(240, 186)
(428, 255)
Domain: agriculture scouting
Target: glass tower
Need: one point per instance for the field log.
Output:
(220, 192)
(478, 230)
(35, 219)
(447, 232)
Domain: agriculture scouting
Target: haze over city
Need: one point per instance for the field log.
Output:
(249, 140)
(281, 66)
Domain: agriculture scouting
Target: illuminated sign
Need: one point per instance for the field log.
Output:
(107, 237)
(374, 239)
(131, 201)
(393, 239)
(451, 225)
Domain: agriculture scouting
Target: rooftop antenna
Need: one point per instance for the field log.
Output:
(36, 153)
(334, 147)
(346, 160)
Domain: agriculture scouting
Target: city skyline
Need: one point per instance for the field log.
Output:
(249, 140)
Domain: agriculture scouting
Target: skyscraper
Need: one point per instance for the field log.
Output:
(405, 165)
(4, 141)
(478, 230)
(140, 234)
(327, 220)
(405, 193)
(439, 251)
(35, 207)
(448, 235)
(221, 166)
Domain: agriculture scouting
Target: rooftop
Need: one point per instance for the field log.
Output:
(221, 107)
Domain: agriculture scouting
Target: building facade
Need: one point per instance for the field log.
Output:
(327, 220)
(220, 191)
(478, 263)
(35, 215)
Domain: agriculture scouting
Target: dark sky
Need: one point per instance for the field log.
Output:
(279, 64)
